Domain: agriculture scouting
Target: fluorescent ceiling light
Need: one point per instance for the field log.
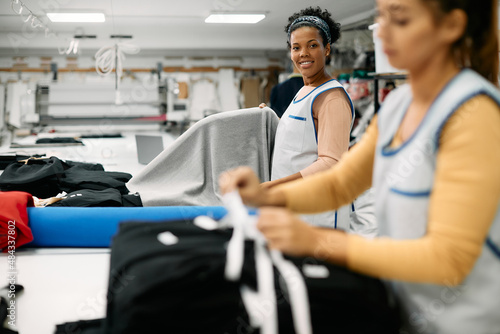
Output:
(76, 17)
(234, 18)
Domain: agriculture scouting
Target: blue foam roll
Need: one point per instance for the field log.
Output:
(95, 227)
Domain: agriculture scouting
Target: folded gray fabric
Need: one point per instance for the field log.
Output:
(187, 172)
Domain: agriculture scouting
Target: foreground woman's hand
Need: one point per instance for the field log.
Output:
(287, 233)
(246, 182)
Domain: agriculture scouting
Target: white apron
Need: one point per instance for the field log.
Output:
(403, 181)
(296, 147)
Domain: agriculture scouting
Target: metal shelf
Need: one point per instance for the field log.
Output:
(384, 76)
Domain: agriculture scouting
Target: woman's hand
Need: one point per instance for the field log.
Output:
(286, 232)
(246, 182)
(262, 105)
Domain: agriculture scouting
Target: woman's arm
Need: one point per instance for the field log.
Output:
(273, 183)
(337, 186)
(332, 118)
(322, 191)
(463, 205)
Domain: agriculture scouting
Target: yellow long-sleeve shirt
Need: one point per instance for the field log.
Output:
(462, 205)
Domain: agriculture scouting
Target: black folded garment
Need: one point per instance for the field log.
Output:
(81, 327)
(48, 177)
(132, 200)
(91, 198)
(58, 140)
(78, 177)
(7, 159)
(39, 177)
(102, 135)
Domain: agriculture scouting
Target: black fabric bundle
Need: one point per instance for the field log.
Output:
(7, 159)
(59, 140)
(101, 198)
(169, 278)
(48, 177)
(90, 198)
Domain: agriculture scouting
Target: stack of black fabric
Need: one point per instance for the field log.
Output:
(45, 178)
(169, 277)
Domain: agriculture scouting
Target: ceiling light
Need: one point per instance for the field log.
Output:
(76, 17)
(234, 18)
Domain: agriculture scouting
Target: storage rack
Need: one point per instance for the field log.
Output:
(384, 76)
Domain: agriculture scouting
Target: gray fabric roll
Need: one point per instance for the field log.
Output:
(187, 172)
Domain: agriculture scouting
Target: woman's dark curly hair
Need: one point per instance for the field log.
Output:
(318, 12)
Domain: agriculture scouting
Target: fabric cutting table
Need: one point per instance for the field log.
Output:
(65, 269)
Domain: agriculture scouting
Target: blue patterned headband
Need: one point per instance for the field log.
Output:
(316, 21)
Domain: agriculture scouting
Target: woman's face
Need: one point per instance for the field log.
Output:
(409, 33)
(307, 51)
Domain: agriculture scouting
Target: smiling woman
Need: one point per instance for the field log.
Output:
(310, 34)
(314, 130)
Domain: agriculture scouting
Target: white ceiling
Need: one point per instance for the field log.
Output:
(166, 25)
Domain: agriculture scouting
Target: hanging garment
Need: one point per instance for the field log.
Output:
(203, 98)
(270, 82)
(250, 88)
(14, 230)
(403, 181)
(187, 172)
(227, 90)
(296, 147)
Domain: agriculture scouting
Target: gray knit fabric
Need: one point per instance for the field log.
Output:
(187, 172)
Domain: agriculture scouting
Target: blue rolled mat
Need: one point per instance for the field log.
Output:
(95, 227)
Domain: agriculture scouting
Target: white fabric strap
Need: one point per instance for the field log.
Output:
(297, 291)
(238, 215)
(261, 305)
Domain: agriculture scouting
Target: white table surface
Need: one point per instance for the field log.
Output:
(60, 285)
(115, 154)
